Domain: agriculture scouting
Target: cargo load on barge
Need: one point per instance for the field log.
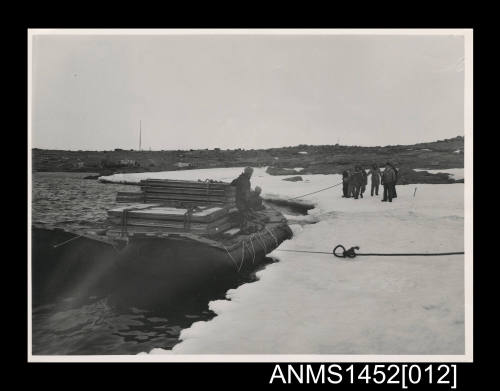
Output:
(175, 234)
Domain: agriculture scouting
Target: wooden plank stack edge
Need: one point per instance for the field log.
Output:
(178, 194)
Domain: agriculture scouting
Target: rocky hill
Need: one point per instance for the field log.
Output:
(313, 159)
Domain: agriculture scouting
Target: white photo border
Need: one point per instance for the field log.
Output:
(468, 203)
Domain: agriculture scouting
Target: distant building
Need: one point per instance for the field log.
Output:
(128, 162)
(182, 164)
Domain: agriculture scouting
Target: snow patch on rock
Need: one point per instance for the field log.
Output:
(454, 173)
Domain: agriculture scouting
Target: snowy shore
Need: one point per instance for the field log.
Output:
(318, 304)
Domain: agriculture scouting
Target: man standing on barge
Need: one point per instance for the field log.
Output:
(242, 184)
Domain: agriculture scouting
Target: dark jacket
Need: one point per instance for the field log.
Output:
(356, 179)
(396, 172)
(255, 201)
(388, 176)
(242, 184)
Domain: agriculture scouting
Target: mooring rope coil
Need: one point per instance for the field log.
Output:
(351, 253)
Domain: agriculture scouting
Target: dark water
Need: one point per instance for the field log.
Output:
(68, 199)
(97, 327)
(94, 325)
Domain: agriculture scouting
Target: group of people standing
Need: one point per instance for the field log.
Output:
(355, 182)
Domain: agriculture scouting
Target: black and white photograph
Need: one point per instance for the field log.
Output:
(275, 195)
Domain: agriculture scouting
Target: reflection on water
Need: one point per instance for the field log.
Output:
(100, 326)
(95, 326)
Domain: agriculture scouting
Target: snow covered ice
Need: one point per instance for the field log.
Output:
(319, 304)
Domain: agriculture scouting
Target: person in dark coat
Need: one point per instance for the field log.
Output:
(345, 184)
(356, 181)
(375, 173)
(242, 184)
(388, 180)
(350, 184)
(255, 200)
(364, 182)
(396, 171)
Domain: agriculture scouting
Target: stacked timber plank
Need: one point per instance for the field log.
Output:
(181, 193)
(128, 196)
(147, 218)
(188, 192)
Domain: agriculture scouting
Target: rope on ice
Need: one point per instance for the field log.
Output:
(314, 192)
(351, 253)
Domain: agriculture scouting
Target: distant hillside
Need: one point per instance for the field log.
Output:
(314, 159)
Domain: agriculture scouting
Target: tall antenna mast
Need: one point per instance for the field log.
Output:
(140, 134)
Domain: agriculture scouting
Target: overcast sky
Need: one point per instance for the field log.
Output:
(89, 92)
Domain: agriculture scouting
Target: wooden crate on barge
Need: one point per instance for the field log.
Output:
(204, 208)
(177, 193)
